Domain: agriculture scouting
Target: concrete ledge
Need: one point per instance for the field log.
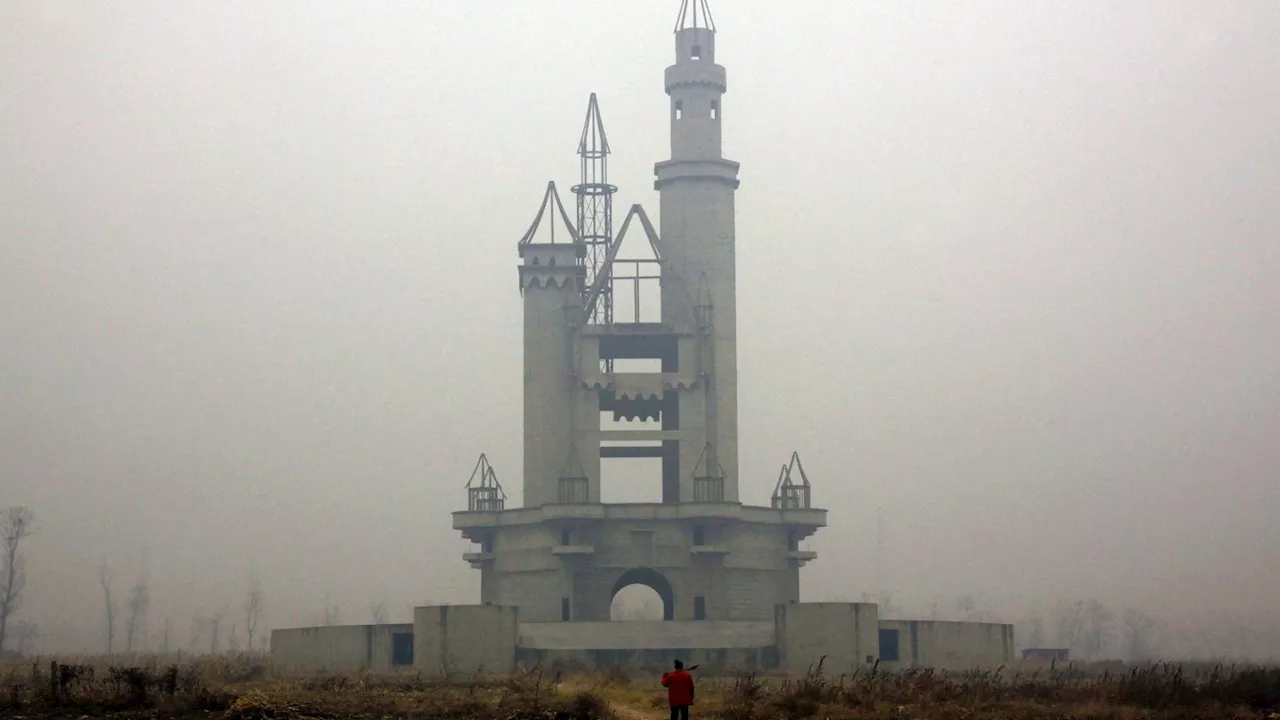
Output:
(573, 549)
(709, 549)
(805, 520)
(802, 557)
(654, 635)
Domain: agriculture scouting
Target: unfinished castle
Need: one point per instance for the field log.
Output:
(649, 338)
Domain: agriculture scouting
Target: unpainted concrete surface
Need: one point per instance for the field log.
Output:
(335, 648)
(651, 635)
(951, 645)
(465, 640)
(845, 634)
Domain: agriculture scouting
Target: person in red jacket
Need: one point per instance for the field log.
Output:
(679, 685)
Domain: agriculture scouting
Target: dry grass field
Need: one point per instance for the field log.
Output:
(246, 688)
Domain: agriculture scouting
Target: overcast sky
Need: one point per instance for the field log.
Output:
(1008, 271)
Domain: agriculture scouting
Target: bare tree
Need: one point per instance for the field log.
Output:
(25, 635)
(254, 603)
(199, 626)
(1098, 620)
(886, 608)
(106, 578)
(1141, 629)
(378, 609)
(968, 607)
(15, 526)
(136, 623)
(1068, 623)
(1036, 631)
(215, 630)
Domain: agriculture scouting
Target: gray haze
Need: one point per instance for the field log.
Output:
(1007, 271)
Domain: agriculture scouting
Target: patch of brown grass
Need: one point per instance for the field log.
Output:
(245, 688)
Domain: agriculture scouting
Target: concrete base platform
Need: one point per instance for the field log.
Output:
(468, 640)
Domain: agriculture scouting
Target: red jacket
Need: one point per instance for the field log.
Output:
(679, 685)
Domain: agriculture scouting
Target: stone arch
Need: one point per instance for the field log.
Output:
(653, 580)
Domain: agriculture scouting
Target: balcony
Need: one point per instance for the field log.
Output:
(708, 489)
(573, 491)
(795, 497)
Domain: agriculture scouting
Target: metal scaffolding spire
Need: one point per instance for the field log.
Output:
(595, 206)
(694, 14)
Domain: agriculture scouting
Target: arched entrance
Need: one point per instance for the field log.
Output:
(652, 579)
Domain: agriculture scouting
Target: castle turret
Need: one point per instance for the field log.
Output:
(696, 189)
(552, 280)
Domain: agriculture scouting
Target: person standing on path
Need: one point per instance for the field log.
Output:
(679, 685)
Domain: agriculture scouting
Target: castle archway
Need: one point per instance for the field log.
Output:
(639, 578)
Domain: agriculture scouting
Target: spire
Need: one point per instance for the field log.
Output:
(566, 234)
(593, 143)
(484, 492)
(789, 494)
(595, 204)
(696, 15)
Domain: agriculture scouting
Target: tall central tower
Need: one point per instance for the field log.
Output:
(696, 187)
(599, 348)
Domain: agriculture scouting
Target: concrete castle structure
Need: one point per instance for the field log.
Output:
(564, 555)
(652, 340)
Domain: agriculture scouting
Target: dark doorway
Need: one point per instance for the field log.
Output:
(402, 648)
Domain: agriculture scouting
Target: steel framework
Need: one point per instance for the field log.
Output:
(693, 11)
(595, 207)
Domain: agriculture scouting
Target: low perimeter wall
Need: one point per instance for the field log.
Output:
(343, 647)
(715, 646)
(945, 645)
(843, 636)
(465, 640)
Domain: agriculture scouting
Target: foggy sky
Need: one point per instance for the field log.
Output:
(1007, 271)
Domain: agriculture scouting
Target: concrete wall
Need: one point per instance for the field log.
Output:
(847, 634)
(711, 661)
(465, 639)
(654, 635)
(949, 645)
(338, 648)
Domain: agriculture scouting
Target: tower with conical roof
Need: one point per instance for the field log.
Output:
(650, 339)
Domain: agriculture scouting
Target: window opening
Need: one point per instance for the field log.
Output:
(566, 537)
(715, 110)
(699, 608)
(699, 536)
(564, 609)
(695, 53)
(679, 109)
